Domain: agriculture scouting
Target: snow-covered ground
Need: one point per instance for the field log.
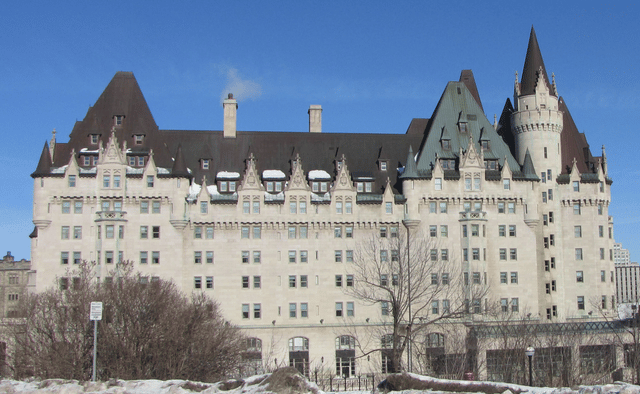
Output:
(258, 385)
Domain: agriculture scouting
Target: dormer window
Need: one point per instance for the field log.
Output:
(140, 161)
(484, 144)
(364, 187)
(383, 166)
(117, 120)
(339, 165)
(446, 144)
(94, 139)
(205, 164)
(223, 186)
(138, 139)
(448, 164)
(86, 161)
(132, 161)
(491, 164)
(463, 127)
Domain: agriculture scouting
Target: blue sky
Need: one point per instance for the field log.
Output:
(373, 66)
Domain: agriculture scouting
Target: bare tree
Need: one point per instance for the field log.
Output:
(149, 330)
(416, 283)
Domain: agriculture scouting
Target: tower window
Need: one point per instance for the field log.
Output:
(138, 138)
(117, 120)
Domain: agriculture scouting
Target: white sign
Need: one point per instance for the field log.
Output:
(96, 311)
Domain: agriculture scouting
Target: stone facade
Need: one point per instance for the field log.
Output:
(268, 223)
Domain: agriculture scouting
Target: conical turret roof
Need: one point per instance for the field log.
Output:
(532, 64)
(44, 165)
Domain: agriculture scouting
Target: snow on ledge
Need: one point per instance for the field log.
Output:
(273, 174)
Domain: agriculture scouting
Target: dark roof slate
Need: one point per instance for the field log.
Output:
(44, 164)
(532, 63)
(574, 145)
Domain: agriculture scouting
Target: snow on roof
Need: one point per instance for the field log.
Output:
(194, 190)
(213, 189)
(92, 170)
(163, 170)
(59, 170)
(319, 174)
(85, 150)
(134, 170)
(227, 175)
(321, 197)
(273, 174)
(273, 197)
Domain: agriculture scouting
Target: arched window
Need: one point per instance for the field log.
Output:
(435, 339)
(345, 342)
(345, 356)
(252, 357)
(299, 354)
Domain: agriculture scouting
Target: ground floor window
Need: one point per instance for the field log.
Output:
(597, 359)
(299, 355)
(252, 357)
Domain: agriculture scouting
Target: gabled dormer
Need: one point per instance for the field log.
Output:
(150, 173)
(251, 180)
(506, 175)
(297, 181)
(204, 197)
(73, 171)
(445, 139)
(383, 160)
(343, 178)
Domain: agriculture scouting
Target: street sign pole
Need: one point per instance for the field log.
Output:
(95, 315)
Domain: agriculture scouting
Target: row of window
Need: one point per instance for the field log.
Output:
(442, 207)
(107, 206)
(504, 279)
(197, 282)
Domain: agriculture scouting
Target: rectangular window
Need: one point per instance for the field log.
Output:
(209, 282)
(503, 254)
(210, 257)
(394, 232)
(514, 278)
(348, 232)
(144, 257)
(293, 310)
(434, 254)
(304, 256)
(512, 207)
(144, 206)
(256, 257)
(245, 282)
(578, 253)
(512, 230)
(475, 230)
(506, 184)
(348, 207)
(304, 309)
(155, 232)
(502, 230)
(64, 232)
(303, 207)
(576, 186)
(444, 231)
(503, 278)
(64, 257)
(476, 278)
(209, 231)
(77, 258)
(338, 280)
(432, 207)
(155, 207)
(350, 309)
(304, 281)
(476, 253)
(246, 207)
(292, 256)
(108, 257)
(577, 231)
(433, 231)
(576, 208)
(337, 232)
(245, 256)
(303, 232)
(581, 303)
(66, 207)
(244, 232)
(389, 207)
(245, 311)
(204, 207)
(197, 282)
(339, 207)
(500, 207)
(257, 232)
(77, 207)
(257, 311)
(256, 207)
(293, 207)
(149, 180)
(383, 232)
(349, 281)
(292, 232)
(514, 305)
(349, 256)
(197, 232)
(513, 254)
(155, 257)
(384, 256)
(338, 256)
(384, 308)
(443, 207)
(197, 257)
(338, 309)
(106, 181)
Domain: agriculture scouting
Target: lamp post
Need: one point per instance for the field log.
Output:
(530, 352)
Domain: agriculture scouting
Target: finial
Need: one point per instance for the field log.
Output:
(495, 121)
(53, 133)
(553, 84)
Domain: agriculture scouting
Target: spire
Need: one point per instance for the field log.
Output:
(44, 165)
(410, 169)
(179, 168)
(466, 77)
(527, 168)
(533, 64)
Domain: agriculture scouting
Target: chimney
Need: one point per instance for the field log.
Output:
(315, 118)
(230, 106)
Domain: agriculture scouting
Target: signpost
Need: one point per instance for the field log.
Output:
(95, 315)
